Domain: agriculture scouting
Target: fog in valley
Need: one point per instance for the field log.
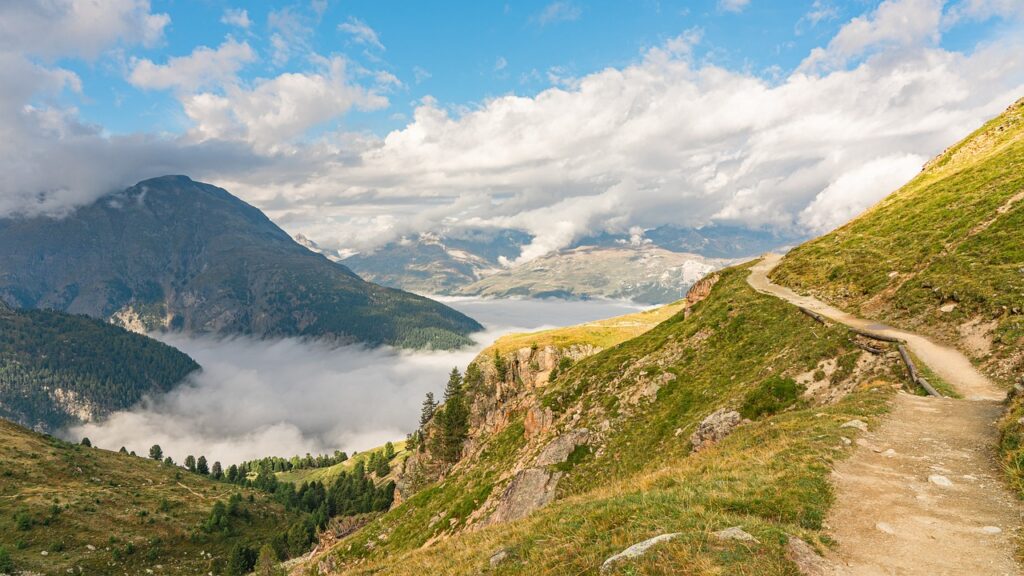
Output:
(258, 398)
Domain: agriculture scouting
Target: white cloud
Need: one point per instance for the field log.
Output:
(733, 5)
(981, 10)
(420, 74)
(80, 28)
(894, 24)
(857, 189)
(561, 11)
(273, 112)
(291, 35)
(236, 17)
(361, 33)
(500, 64)
(204, 67)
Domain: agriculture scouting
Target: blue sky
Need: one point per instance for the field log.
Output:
(464, 52)
(358, 122)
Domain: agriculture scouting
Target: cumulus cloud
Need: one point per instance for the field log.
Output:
(895, 23)
(82, 28)
(361, 33)
(204, 67)
(670, 139)
(259, 398)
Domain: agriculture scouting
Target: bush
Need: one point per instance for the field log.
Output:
(771, 397)
(6, 564)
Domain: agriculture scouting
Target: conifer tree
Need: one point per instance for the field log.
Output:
(202, 466)
(190, 463)
(217, 472)
(156, 453)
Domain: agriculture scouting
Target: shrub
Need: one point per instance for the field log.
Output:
(771, 397)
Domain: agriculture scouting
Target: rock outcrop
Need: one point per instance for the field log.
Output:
(718, 425)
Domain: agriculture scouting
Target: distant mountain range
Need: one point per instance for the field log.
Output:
(173, 254)
(654, 267)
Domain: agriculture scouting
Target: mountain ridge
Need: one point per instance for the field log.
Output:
(173, 254)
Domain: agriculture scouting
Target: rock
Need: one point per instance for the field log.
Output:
(734, 533)
(559, 449)
(858, 424)
(846, 440)
(889, 453)
(715, 427)
(636, 550)
(807, 560)
(498, 557)
(529, 490)
(992, 530)
(940, 480)
(538, 420)
(948, 307)
(90, 547)
(884, 527)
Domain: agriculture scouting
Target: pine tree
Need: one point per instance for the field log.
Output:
(86, 442)
(233, 474)
(453, 421)
(169, 461)
(123, 450)
(217, 472)
(202, 466)
(266, 564)
(429, 406)
(156, 453)
(389, 451)
(190, 463)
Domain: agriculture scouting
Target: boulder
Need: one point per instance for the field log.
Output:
(529, 490)
(636, 550)
(807, 560)
(735, 533)
(718, 425)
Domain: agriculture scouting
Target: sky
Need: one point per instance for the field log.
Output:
(355, 122)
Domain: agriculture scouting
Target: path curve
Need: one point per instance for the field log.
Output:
(923, 494)
(947, 362)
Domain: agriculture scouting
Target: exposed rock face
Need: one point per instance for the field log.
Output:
(700, 291)
(715, 427)
(807, 561)
(529, 490)
(559, 449)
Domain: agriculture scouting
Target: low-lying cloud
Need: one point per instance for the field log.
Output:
(259, 398)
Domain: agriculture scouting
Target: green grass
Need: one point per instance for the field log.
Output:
(61, 498)
(327, 474)
(770, 476)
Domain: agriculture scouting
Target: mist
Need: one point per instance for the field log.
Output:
(257, 398)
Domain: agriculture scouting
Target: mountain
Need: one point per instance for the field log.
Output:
(655, 266)
(171, 253)
(436, 263)
(707, 443)
(59, 369)
(644, 274)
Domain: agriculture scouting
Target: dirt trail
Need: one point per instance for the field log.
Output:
(922, 494)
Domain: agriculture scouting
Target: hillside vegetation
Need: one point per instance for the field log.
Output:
(173, 254)
(59, 369)
(943, 255)
(624, 420)
(73, 509)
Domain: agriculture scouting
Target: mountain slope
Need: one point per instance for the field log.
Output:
(170, 253)
(71, 509)
(59, 369)
(647, 275)
(630, 411)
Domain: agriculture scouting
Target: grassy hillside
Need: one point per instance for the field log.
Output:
(328, 474)
(66, 507)
(636, 477)
(59, 369)
(600, 333)
(943, 255)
